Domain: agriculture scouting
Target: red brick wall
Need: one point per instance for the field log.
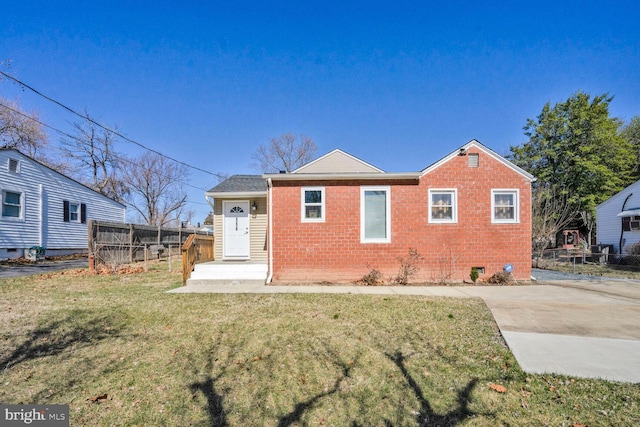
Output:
(332, 250)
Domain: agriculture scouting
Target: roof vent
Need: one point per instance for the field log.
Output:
(473, 160)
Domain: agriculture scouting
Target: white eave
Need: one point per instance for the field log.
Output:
(630, 212)
(475, 143)
(236, 194)
(341, 176)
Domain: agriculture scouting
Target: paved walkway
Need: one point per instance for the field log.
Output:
(579, 328)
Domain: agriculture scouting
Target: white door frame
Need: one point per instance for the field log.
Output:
(224, 229)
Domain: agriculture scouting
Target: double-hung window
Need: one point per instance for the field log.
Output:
(443, 205)
(11, 204)
(312, 204)
(74, 212)
(504, 206)
(375, 214)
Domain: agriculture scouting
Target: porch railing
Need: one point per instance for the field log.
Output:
(197, 248)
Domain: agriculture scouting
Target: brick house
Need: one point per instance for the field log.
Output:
(337, 217)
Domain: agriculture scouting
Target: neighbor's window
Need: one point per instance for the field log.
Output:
(14, 166)
(11, 204)
(443, 205)
(74, 209)
(375, 214)
(504, 206)
(74, 212)
(312, 204)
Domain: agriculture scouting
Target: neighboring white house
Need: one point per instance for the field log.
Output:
(618, 219)
(41, 207)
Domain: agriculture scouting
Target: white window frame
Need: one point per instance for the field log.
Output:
(12, 218)
(454, 205)
(387, 190)
(78, 212)
(516, 205)
(303, 204)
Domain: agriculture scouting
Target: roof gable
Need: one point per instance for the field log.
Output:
(337, 161)
(56, 173)
(486, 150)
(617, 198)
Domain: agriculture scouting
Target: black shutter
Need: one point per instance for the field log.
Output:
(626, 223)
(65, 210)
(83, 213)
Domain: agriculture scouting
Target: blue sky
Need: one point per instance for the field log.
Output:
(398, 84)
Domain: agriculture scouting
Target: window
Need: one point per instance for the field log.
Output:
(11, 204)
(504, 206)
(631, 223)
(375, 215)
(443, 205)
(74, 212)
(312, 204)
(14, 166)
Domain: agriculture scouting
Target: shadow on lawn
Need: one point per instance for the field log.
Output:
(298, 411)
(427, 416)
(76, 328)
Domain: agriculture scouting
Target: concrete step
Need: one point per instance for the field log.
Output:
(227, 273)
(224, 282)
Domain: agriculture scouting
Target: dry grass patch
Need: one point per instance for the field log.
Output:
(120, 351)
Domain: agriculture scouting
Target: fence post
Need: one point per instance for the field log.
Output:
(130, 243)
(169, 257)
(146, 257)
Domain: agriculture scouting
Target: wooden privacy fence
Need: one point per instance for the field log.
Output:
(197, 248)
(114, 244)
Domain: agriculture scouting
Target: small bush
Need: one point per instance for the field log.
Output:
(501, 278)
(408, 266)
(474, 274)
(372, 278)
(633, 249)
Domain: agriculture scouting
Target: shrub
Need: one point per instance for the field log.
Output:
(474, 274)
(372, 278)
(633, 249)
(501, 278)
(408, 266)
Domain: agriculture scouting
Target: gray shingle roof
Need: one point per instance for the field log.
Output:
(241, 183)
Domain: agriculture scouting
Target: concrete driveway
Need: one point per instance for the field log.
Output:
(588, 329)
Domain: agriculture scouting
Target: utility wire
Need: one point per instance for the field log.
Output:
(89, 119)
(82, 141)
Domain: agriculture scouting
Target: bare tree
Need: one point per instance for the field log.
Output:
(551, 211)
(96, 162)
(155, 190)
(285, 153)
(21, 130)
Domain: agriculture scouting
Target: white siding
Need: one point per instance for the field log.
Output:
(44, 191)
(609, 225)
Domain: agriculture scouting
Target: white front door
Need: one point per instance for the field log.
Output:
(236, 229)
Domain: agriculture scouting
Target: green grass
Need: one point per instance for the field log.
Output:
(274, 360)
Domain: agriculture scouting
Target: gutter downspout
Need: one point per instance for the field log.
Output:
(622, 223)
(270, 230)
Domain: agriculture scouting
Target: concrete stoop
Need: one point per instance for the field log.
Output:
(228, 273)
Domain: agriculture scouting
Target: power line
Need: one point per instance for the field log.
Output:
(89, 119)
(82, 141)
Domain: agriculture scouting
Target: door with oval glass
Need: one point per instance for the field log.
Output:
(236, 229)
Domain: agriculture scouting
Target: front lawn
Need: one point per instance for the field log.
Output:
(121, 351)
